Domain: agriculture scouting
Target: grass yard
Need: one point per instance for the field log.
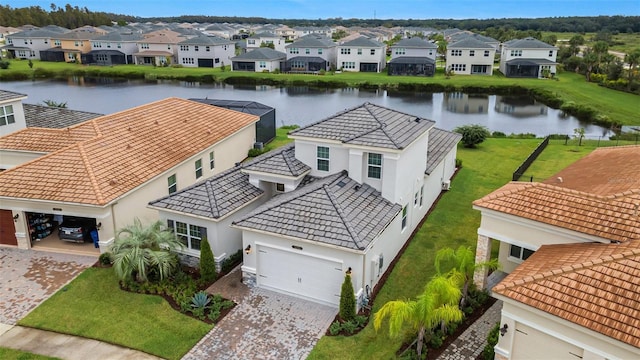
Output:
(451, 224)
(93, 306)
(10, 354)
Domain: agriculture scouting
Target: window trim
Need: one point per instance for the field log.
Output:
(172, 185)
(188, 235)
(6, 117)
(405, 212)
(521, 257)
(372, 166)
(198, 166)
(212, 160)
(280, 187)
(323, 160)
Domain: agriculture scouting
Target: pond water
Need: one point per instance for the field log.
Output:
(303, 105)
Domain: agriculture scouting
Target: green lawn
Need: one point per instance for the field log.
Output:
(10, 354)
(93, 306)
(451, 224)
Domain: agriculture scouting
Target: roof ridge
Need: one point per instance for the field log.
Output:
(354, 235)
(327, 118)
(382, 126)
(92, 175)
(208, 185)
(288, 162)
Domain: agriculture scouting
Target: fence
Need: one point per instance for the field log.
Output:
(530, 159)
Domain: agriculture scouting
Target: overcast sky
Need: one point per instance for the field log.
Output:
(363, 9)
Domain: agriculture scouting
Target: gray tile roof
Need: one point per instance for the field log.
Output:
(469, 43)
(120, 37)
(526, 61)
(465, 35)
(10, 95)
(415, 42)
(335, 210)
(528, 43)
(260, 54)
(36, 33)
(280, 162)
(364, 42)
(312, 41)
(206, 40)
(213, 198)
(440, 143)
(412, 60)
(54, 117)
(264, 35)
(369, 125)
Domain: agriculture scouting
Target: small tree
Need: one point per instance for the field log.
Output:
(30, 63)
(578, 133)
(472, 135)
(347, 300)
(207, 262)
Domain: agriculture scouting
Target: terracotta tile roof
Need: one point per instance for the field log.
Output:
(613, 218)
(102, 159)
(605, 171)
(594, 285)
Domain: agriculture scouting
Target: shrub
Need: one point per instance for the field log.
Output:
(290, 127)
(498, 134)
(105, 258)
(472, 135)
(335, 328)
(276, 71)
(349, 326)
(200, 300)
(361, 320)
(207, 262)
(256, 152)
(436, 340)
(229, 263)
(492, 339)
(458, 163)
(347, 300)
(4, 64)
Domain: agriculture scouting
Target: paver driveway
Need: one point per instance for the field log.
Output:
(28, 277)
(264, 325)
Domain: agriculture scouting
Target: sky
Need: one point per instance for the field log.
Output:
(346, 9)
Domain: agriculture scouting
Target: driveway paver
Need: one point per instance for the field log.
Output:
(264, 325)
(28, 277)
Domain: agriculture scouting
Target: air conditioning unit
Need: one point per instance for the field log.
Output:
(446, 185)
(258, 145)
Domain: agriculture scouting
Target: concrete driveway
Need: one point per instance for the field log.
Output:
(28, 277)
(264, 325)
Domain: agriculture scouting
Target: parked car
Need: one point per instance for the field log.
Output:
(76, 229)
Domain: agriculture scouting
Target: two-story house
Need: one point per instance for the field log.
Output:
(528, 57)
(114, 48)
(205, 51)
(310, 53)
(11, 114)
(266, 39)
(470, 56)
(363, 55)
(571, 247)
(29, 43)
(258, 60)
(344, 197)
(71, 46)
(413, 56)
(158, 48)
(107, 169)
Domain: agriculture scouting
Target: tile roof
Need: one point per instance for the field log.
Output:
(11, 96)
(528, 43)
(54, 117)
(440, 143)
(611, 218)
(412, 60)
(102, 159)
(364, 42)
(596, 286)
(206, 40)
(119, 37)
(469, 43)
(213, 198)
(334, 210)
(260, 54)
(280, 162)
(611, 170)
(415, 42)
(368, 125)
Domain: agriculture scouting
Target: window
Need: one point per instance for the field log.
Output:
(251, 42)
(421, 195)
(6, 115)
(279, 187)
(415, 198)
(263, 64)
(550, 53)
(46, 41)
(348, 65)
(375, 166)
(307, 51)
(487, 53)
(373, 51)
(184, 47)
(404, 217)
(294, 51)
(10, 41)
(108, 45)
(189, 235)
(459, 67)
(519, 252)
(323, 158)
(456, 52)
(212, 160)
(71, 56)
(359, 51)
(319, 51)
(173, 185)
(297, 64)
(76, 43)
(196, 48)
(216, 60)
(119, 45)
(57, 42)
(144, 46)
(97, 45)
(345, 51)
(198, 166)
(188, 61)
(472, 53)
(400, 51)
(207, 48)
(516, 52)
(168, 46)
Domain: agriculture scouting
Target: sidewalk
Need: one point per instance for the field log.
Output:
(64, 346)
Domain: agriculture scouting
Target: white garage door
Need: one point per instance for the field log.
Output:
(527, 346)
(301, 275)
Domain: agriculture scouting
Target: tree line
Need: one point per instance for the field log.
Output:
(70, 17)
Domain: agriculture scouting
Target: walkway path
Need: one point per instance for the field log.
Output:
(471, 342)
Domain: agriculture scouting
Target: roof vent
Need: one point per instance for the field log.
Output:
(417, 119)
(357, 187)
(113, 182)
(559, 179)
(341, 183)
(156, 122)
(129, 128)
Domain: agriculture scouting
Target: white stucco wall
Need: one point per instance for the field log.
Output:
(505, 56)
(223, 53)
(419, 52)
(477, 59)
(379, 57)
(35, 44)
(18, 114)
(306, 151)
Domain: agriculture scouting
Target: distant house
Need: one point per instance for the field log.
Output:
(363, 55)
(114, 48)
(11, 114)
(72, 45)
(205, 51)
(29, 43)
(468, 35)
(158, 48)
(310, 53)
(301, 31)
(413, 56)
(258, 60)
(529, 57)
(220, 30)
(470, 57)
(266, 38)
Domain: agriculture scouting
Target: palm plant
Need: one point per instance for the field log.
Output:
(138, 249)
(438, 304)
(461, 266)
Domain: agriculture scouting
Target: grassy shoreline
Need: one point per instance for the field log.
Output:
(570, 92)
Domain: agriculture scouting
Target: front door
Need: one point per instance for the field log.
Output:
(7, 228)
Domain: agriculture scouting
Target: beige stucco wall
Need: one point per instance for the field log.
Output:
(13, 158)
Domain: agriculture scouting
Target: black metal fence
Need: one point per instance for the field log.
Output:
(530, 159)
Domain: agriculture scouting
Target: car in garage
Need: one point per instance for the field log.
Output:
(76, 229)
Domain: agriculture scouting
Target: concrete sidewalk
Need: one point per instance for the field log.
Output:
(62, 346)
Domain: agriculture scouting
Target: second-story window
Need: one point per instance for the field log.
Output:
(374, 170)
(212, 160)
(373, 51)
(323, 158)
(359, 51)
(320, 51)
(6, 115)
(172, 184)
(472, 53)
(198, 166)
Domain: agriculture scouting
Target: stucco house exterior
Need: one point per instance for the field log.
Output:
(470, 57)
(158, 48)
(258, 60)
(413, 56)
(28, 44)
(362, 54)
(11, 113)
(107, 169)
(529, 58)
(205, 51)
(114, 48)
(255, 41)
(571, 248)
(310, 53)
(70, 46)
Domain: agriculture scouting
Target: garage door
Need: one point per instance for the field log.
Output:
(526, 345)
(301, 275)
(7, 228)
(205, 63)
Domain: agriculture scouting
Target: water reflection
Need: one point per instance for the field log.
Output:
(519, 106)
(461, 103)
